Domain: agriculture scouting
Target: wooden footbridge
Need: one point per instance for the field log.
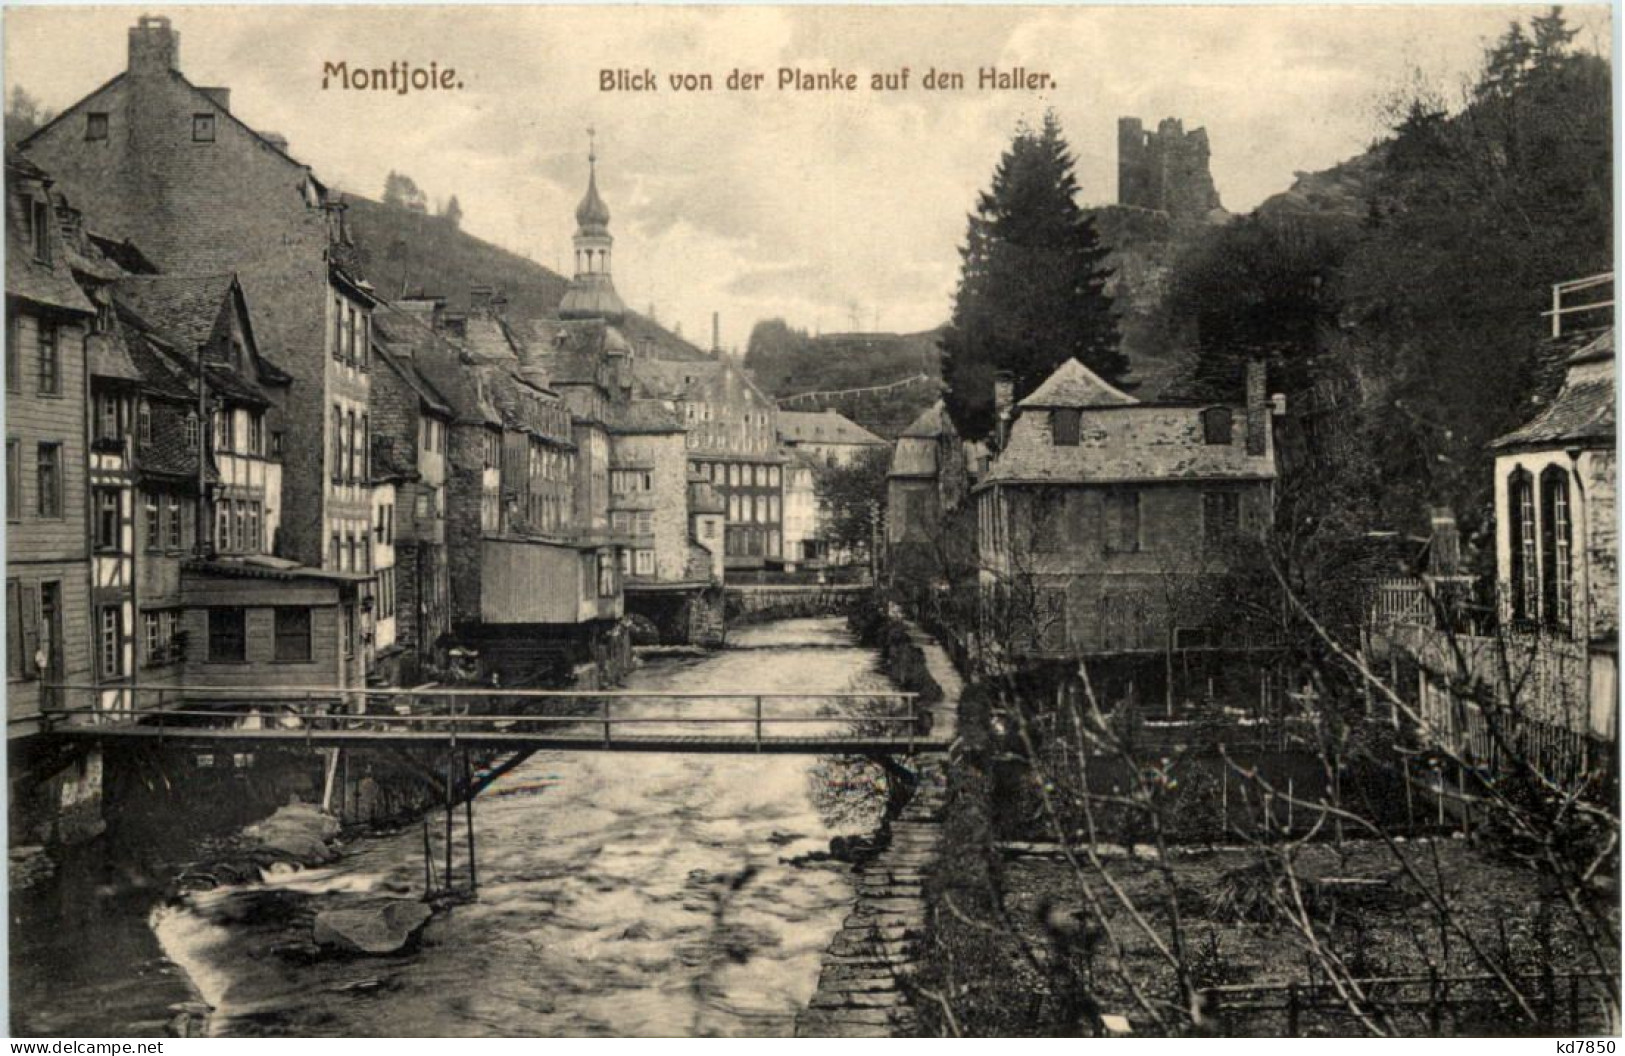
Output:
(875, 724)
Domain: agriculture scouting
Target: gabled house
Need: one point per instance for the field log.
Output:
(164, 164)
(1110, 528)
(535, 573)
(827, 436)
(51, 621)
(412, 424)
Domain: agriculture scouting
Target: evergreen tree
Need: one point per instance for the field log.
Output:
(453, 212)
(1032, 288)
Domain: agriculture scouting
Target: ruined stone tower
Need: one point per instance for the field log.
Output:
(1165, 170)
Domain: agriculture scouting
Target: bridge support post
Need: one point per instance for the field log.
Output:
(468, 818)
(451, 811)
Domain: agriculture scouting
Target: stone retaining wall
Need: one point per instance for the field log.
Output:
(863, 990)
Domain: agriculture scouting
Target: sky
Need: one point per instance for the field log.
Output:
(831, 210)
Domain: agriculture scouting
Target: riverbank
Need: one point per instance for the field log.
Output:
(865, 988)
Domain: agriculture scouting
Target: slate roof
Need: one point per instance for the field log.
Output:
(931, 422)
(1075, 385)
(184, 309)
(109, 358)
(1120, 440)
(52, 284)
(824, 427)
(643, 417)
(1582, 411)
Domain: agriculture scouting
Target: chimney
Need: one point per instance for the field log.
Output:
(154, 47)
(276, 139)
(716, 331)
(1258, 410)
(221, 97)
(1004, 398)
(1444, 552)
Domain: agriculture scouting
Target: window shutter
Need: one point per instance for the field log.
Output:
(30, 613)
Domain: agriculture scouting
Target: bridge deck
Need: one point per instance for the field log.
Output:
(585, 740)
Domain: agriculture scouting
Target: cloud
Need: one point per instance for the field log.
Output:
(766, 204)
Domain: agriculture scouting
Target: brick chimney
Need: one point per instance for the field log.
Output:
(221, 97)
(154, 47)
(1258, 410)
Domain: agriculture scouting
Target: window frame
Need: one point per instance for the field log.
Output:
(286, 640)
(48, 498)
(97, 125)
(217, 640)
(204, 128)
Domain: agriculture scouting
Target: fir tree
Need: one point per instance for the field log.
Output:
(1032, 288)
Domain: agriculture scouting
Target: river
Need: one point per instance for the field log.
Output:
(628, 895)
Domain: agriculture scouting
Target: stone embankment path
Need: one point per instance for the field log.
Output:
(861, 991)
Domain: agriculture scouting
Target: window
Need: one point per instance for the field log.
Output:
(773, 507)
(223, 438)
(39, 214)
(1064, 426)
(256, 433)
(109, 425)
(144, 421)
(626, 562)
(222, 525)
(386, 593)
(202, 128)
(348, 630)
(110, 641)
(192, 431)
(338, 327)
(1122, 516)
(1217, 423)
(152, 637)
(14, 480)
(1525, 545)
(365, 455)
(1221, 517)
(293, 635)
(49, 477)
(351, 451)
(1557, 542)
(96, 125)
(646, 562)
(106, 527)
(228, 636)
(338, 552)
(175, 523)
(606, 574)
(14, 352)
(338, 444)
(1049, 519)
(50, 359)
(155, 523)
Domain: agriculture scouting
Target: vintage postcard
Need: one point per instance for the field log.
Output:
(811, 521)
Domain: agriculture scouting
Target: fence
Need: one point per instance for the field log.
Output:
(1440, 1003)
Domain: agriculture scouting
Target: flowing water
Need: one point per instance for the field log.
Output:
(620, 894)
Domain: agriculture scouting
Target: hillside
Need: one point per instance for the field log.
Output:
(789, 363)
(403, 251)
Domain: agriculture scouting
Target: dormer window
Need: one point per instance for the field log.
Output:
(39, 222)
(1217, 423)
(95, 126)
(202, 128)
(1064, 422)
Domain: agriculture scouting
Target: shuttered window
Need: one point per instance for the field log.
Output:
(1122, 517)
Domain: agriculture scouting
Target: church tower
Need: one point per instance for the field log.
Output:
(591, 294)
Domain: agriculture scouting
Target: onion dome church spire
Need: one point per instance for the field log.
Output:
(591, 294)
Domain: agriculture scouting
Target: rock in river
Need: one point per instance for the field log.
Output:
(380, 928)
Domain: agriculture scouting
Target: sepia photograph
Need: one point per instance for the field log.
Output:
(820, 521)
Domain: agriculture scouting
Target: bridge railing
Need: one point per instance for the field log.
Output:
(450, 712)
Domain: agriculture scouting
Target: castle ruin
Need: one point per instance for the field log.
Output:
(1165, 170)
